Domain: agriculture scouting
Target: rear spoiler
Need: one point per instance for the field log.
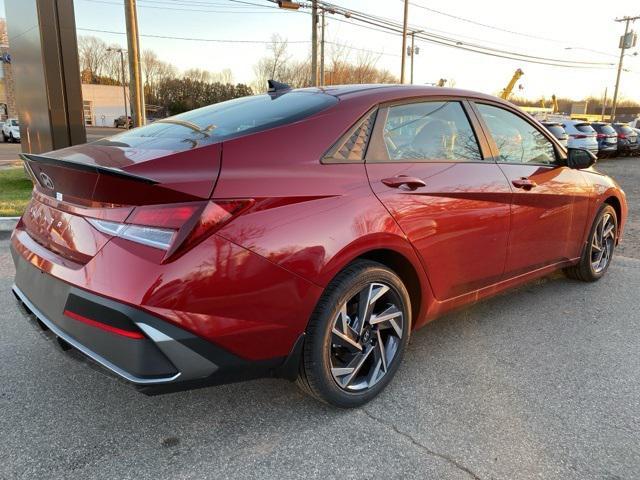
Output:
(115, 172)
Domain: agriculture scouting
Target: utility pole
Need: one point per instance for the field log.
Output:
(623, 47)
(404, 39)
(124, 83)
(413, 37)
(322, 51)
(604, 103)
(413, 50)
(136, 91)
(314, 43)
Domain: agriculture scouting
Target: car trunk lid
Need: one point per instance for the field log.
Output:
(107, 181)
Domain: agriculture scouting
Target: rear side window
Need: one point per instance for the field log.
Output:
(584, 128)
(224, 120)
(430, 131)
(517, 140)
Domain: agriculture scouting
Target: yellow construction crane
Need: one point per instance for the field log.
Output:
(554, 103)
(506, 93)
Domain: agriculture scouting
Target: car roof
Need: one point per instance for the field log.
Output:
(377, 93)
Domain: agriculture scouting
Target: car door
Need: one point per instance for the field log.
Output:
(427, 166)
(550, 201)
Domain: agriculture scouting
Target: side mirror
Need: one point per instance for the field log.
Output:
(579, 158)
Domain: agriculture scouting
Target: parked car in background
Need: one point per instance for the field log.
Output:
(301, 233)
(607, 139)
(11, 130)
(558, 131)
(581, 135)
(627, 139)
(122, 121)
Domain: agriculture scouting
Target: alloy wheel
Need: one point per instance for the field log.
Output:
(365, 337)
(602, 243)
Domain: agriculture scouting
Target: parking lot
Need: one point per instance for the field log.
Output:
(543, 382)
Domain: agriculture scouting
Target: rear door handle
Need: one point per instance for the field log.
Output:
(409, 183)
(524, 183)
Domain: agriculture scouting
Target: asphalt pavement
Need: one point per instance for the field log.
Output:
(542, 382)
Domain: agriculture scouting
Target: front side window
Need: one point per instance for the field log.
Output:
(517, 140)
(430, 131)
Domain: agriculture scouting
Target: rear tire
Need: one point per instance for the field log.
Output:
(356, 336)
(597, 253)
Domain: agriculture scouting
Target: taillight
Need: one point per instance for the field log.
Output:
(622, 135)
(601, 135)
(173, 227)
(579, 136)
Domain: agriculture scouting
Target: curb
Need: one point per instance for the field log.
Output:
(7, 224)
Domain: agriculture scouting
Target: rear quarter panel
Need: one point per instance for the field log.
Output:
(309, 218)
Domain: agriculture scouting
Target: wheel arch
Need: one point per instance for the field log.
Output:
(403, 267)
(614, 202)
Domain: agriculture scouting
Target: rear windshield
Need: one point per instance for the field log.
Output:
(605, 129)
(14, 123)
(223, 120)
(624, 129)
(557, 130)
(584, 128)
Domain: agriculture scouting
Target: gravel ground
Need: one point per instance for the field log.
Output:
(543, 382)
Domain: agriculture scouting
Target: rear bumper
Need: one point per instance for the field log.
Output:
(161, 357)
(628, 147)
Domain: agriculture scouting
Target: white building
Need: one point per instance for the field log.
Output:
(102, 104)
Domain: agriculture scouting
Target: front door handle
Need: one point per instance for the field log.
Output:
(408, 183)
(524, 183)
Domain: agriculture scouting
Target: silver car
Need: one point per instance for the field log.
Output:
(581, 135)
(557, 130)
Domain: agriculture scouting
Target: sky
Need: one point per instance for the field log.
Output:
(564, 30)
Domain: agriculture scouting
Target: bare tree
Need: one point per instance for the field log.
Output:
(92, 53)
(274, 65)
(197, 75)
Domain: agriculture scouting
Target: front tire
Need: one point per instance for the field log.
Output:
(356, 336)
(599, 249)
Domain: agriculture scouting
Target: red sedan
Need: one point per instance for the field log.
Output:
(301, 234)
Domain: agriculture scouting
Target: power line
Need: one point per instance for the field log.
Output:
(504, 30)
(455, 43)
(196, 10)
(395, 27)
(193, 39)
(221, 40)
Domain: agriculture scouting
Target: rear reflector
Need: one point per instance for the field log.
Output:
(104, 326)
